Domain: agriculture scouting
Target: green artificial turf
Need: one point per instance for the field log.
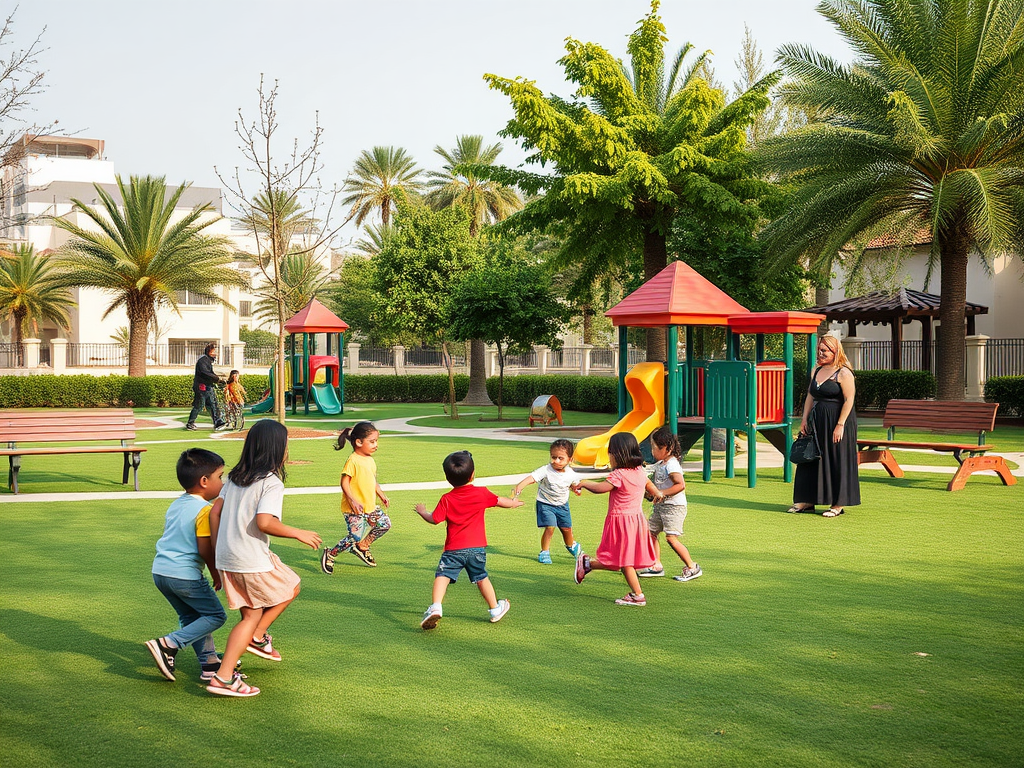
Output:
(891, 636)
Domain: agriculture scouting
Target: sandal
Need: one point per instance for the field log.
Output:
(797, 508)
(236, 687)
(833, 512)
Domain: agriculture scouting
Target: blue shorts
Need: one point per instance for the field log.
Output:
(549, 515)
(474, 560)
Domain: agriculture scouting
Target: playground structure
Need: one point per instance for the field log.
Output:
(303, 365)
(698, 396)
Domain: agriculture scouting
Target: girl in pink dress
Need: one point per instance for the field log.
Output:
(626, 542)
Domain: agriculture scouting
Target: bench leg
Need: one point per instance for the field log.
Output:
(12, 472)
(883, 457)
(974, 464)
(124, 474)
(136, 460)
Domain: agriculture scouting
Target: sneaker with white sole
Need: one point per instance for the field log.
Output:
(163, 655)
(631, 599)
(544, 557)
(689, 574)
(651, 572)
(575, 549)
(264, 648)
(236, 687)
(327, 562)
(582, 567)
(499, 611)
(431, 617)
(191, 427)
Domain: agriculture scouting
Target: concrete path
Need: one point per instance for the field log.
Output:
(767, 456)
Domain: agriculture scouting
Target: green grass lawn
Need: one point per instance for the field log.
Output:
(891, 636)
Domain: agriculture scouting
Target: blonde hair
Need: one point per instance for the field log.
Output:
(841, 360)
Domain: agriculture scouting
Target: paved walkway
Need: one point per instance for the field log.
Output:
(767, 456)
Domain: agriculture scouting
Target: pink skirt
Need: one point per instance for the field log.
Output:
(260, 590)
(626, 541)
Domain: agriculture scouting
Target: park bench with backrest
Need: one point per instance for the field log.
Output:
(26, 433)
(939, 416)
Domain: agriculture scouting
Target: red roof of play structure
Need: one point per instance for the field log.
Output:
(315, 318)
(775, 322)
(677, 295)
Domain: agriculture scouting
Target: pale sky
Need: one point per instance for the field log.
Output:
(162, 83)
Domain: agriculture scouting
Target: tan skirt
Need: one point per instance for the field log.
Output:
(260, 590)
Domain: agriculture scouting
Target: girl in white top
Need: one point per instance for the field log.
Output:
(669, 505)
(255, 580)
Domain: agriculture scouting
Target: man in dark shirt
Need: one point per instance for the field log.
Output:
(202, 387)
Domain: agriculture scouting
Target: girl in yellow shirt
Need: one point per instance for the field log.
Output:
(360, 490)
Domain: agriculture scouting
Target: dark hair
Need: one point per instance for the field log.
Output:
(211, 345)
(262, 454)
(458, 468)
(233, 372)
(563, 445)
(360, 431)
(663, 438)
(195, 464)
(625, 450)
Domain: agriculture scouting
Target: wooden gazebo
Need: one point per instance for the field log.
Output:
(895, 310)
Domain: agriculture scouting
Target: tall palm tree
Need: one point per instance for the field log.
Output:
(276, 217)
(376, 179)
(456, 183)
(30, 293)
(302, 279)
(144, 253)
(924, 130)
(487, 201)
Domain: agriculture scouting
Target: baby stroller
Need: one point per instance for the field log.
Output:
(233, 414)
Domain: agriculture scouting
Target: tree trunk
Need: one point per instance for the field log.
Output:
(501, 382)
(820, 300)
(588, 324)
(138, 331)
(279, 373)
(655, 260)
(477, 394)
(19, 337)
(954, 250)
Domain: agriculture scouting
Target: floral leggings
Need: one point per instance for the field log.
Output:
(367, 527)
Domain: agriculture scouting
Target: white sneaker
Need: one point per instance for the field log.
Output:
(431, 617)
(501, 610)
(651, 572)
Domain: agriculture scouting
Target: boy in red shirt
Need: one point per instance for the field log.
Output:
(465, 542)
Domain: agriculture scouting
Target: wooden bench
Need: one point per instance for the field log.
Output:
(93, 425)
(939, 416)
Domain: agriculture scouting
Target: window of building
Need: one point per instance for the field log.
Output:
(189, 298)
(245, 309)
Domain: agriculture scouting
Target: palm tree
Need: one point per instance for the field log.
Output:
(302, 278)
(30, 292)
(487, 201)
(144, 253)
(456, 184)
(376, 179)
(276, 217)
(924, 130)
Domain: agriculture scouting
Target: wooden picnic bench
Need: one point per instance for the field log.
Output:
(939, 416)
(18, 428)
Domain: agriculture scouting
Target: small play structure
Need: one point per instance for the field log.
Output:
(304, 366)
(546, 409)
(695, 396)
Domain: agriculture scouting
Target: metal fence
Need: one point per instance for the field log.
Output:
(432, 357)
(567, 357)
(1004, 357)
(116, 355)
(11, 355)
(525, 360)
(259, 356)
(376, 356)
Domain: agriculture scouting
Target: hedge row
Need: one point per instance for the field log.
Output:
(367, 388)
(596, 394)
(84, 391)
(876, 388)
(1008, 391)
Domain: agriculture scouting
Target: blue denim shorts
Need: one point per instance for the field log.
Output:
(474, 560)
(549, 515)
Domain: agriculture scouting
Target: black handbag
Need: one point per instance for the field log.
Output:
(804, 450)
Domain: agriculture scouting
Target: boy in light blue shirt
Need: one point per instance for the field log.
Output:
(178, 566)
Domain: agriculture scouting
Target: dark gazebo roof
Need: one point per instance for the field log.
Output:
(880, 306)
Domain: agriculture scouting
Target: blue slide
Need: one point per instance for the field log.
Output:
(326, 398)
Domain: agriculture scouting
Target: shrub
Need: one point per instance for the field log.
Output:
(368, 388)
(876, 388)
(1008, 391)
(598, 394)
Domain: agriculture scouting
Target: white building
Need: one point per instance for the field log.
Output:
(41, 177)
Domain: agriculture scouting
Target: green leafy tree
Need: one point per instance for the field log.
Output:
(30, 293)
(487, 201)
(378, 178)
(143, 253)
(303, 278)
(508, 303)
(924, 130)
(426, 256)
(630, 150)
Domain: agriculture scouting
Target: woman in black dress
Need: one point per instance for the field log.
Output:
(829, 416)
